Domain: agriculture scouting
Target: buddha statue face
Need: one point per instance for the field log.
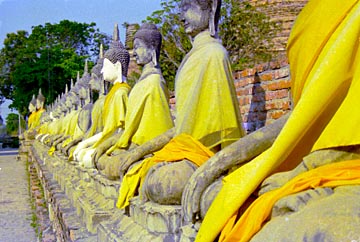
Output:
(142, 52)
(39, 104)
(32, 108)
(110, 71)
(194, 16)
(82, 92)
(95, 82)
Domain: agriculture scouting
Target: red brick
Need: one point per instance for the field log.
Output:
(270, 95)
(267, 76)
(280, 73)
(284, 83)
(275, 114)
(244, 100)
(282, 93)
(243, 82)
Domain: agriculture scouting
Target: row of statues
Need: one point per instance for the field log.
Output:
(202, 159)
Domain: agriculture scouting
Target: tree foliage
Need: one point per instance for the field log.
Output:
(47, 58)
(245, 32)
(12, 124)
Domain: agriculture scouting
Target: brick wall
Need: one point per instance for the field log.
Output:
(263, 93)
(283, 12)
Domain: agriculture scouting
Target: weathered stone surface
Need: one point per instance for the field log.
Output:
(337, 219)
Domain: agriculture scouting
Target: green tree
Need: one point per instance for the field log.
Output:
(246, 33)
(12, 124)
(47, 58)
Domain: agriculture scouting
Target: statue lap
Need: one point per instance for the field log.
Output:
(336, 216)
(314, 214)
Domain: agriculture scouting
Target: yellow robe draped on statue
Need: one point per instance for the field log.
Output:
(114, 110)
(37, 117)
(31, 120)
(206, 104)
(71, 121)
(324, 58)
(97, 124)
(148, 113)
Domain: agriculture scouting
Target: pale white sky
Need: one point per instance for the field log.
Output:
(23, 14)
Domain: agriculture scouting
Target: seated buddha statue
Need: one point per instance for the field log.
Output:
(29, 133)
(148, 114)
(32, 110)
(97, 99)
(36, 116)
(114, 70)
(70, 119)
(207, 117)
(82, 118)
(306, 180)
(40, 101)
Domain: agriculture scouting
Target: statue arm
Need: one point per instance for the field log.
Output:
(72, 144)
(105, 145)
(147, 148)
(235, 154)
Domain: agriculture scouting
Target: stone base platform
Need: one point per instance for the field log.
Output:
(81, 204)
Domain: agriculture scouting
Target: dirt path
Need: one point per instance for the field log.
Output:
(15, 207)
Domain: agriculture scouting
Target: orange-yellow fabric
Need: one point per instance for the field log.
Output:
(326, 82)
(331, 175)
(181, 147)
(114, 110)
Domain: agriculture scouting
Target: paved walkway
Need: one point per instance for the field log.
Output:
(15, 207)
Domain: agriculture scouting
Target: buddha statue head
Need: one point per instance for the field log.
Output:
(83, 87)
(116, 60)
(200, 15)
(147, 44)
(32, 104)
(40, 100)
(96, 80)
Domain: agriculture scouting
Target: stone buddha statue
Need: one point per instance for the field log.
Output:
(207, 114)
(30, 133)
(97, 98)
(148, 114)
(32, 110)
(40, 101)
(114, 70)
(319, 179)
(69, 121)
(81, 119)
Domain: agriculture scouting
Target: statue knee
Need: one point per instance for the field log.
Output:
(165, 184)
(209, 195)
